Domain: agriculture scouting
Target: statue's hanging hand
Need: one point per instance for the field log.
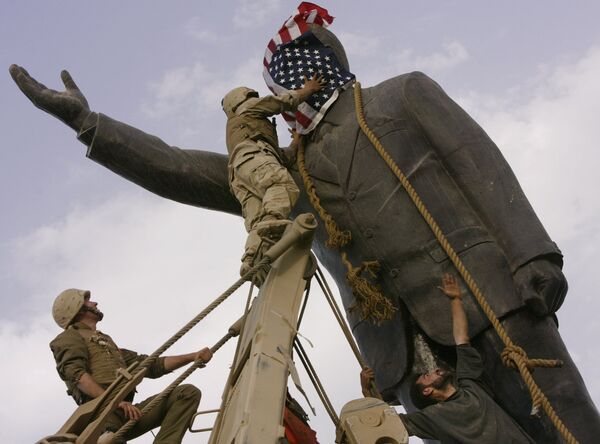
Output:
(70, 105)
(542, 286)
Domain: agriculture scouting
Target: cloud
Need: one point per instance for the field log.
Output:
(358, 45)
(373, 68)
(186, 100)
(196, 28)
(152, 265)
(253, 13)
(453, 54)
(32, 382)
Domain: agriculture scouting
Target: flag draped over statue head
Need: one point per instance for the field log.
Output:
(295, 53)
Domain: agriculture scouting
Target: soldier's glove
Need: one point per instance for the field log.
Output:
(288, 156)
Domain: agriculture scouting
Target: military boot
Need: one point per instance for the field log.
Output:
(247, 263)
(252, 244)
(261, 274)
(272, 229)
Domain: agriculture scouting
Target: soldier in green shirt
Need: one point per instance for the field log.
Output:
(87, 361)
(257, 176)
(462, 411)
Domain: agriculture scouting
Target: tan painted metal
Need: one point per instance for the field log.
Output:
(81, 427)
(370, 421)
(253, 409)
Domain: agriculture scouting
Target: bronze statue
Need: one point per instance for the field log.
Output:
(466, 184)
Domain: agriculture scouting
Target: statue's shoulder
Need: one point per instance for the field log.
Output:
(408, 81)
(398, 94)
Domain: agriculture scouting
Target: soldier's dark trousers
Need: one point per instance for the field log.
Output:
(173, 415)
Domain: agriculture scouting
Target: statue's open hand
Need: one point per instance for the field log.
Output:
(542, 285)
(70, 105)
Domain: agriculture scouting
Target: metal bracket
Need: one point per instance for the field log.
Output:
(203, 412)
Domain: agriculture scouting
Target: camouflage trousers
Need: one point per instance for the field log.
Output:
(173, 415)
(263, 186)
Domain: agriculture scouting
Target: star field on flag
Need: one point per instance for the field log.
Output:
(295, 53)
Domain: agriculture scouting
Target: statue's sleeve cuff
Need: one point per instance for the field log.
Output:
(547, 250)
(88, 129)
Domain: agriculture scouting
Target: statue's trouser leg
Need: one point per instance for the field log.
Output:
(172, 415)
(563, 386)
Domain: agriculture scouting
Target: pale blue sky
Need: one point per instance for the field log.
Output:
(527, 71)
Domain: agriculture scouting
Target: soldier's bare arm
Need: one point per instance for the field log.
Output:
(88, 385)
(131, 411)
(366, 378)
(70, 105)
(460, 327)
(174, 362)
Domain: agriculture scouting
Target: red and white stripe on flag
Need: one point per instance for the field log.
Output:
(306, 13)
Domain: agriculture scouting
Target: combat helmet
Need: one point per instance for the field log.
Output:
(235, 98)
(67, 304)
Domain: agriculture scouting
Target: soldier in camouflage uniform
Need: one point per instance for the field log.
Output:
(257, 177)
(87, 361)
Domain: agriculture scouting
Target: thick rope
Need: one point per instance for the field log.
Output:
(513, 356)
(371, 302)
(199, 363)
(312, 374)
(337, 238)
(337, 314)
(264, 263)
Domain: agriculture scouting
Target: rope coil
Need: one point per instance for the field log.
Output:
(369, 299)
(513, 356)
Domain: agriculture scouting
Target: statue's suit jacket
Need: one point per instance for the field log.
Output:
(458, 171)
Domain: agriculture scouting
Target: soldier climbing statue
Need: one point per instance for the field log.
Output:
(259, 181)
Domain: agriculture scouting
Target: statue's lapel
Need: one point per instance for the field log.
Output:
(330, 147)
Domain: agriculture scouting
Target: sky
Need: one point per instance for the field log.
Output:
(526, 71)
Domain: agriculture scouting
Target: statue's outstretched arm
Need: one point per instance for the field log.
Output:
(477, 166)
(192, 177)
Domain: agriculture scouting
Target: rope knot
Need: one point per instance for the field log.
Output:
(512, 355)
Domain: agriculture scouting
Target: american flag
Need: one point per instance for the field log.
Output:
(294, 53)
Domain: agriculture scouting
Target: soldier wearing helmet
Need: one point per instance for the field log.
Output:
(87, 361)
(257, 177)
